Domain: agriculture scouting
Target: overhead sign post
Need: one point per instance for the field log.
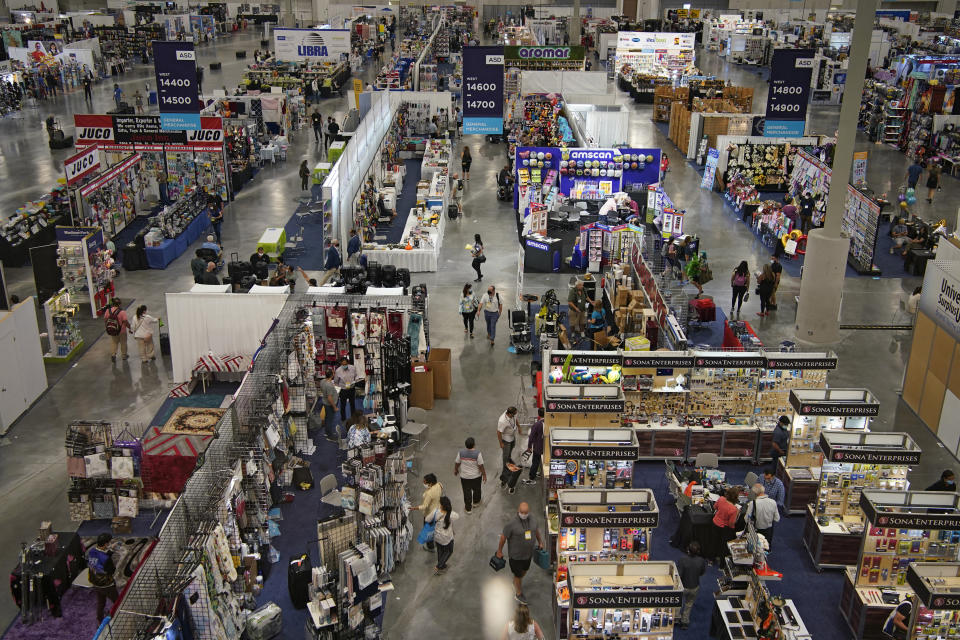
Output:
(790, 74)
(178, 94)
(483, 90)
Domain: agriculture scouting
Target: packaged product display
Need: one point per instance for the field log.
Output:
(935, 585)
(63, 327)
(86, 265)
(32, 225)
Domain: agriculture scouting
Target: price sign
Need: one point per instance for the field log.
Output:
(790, 73)
(175, 64)
(483, 90)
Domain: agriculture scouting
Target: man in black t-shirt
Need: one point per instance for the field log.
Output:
(897, 624)
(777, 269)
(316, 118)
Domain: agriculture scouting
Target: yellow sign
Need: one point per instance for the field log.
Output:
(694, 13)
(682, 13)
(357, 90)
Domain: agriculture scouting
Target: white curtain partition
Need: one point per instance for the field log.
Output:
(587, 87)
(221, 323)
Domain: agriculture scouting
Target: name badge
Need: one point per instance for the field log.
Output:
(526, 534)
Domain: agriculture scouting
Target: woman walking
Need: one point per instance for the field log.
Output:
(522, 627)
(478, 257)
(143, 333)
(933, 179)
(740, 283)
(443, 518)
(304, 175)
(465, 161)
(765, 284)
(432, 491)
(468, 308)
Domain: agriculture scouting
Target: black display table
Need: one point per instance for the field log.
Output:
(17, 255)
(540, 255)
(59, 571)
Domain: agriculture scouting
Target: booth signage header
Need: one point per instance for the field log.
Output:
(931, 599)
(658, 362)
(542, 53)
(123, 132)
(932, 521)
(599, 600)
(802, 363)
(590, 452)
(483, 90)
(610, 519)
(856, 455)
(585, 405)
(834, 409)
(81, 165)
(586, 358)
(731, 362)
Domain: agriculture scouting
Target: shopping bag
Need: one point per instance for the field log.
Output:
(426, 534)
(497, 563)
(542, 558)
(526, 458)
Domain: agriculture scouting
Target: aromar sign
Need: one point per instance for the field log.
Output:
(543, 53)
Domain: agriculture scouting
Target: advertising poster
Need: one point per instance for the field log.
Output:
(860, 167)
(790, 73)
(710, 169)
(177, 91)
(293, 45)
(483, 90)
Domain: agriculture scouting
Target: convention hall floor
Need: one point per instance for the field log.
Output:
(485, 379)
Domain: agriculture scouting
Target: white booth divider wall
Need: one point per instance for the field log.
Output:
(586, 87)
(218, 323)
(22, 376)
(601, 125)
(348, 174)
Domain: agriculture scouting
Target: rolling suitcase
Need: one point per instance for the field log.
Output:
(299, 574)
(239, 270)
(388, 275)
(453, 211)
(265, 623)
(403, 277)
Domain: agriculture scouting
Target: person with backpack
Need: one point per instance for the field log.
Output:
(117, 325)
(100, 570)
(492, 308)
(669, 253)
(740, 283)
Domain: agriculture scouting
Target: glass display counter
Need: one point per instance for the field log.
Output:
(853, 462)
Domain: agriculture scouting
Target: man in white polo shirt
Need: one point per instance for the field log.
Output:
(507, 435)
(469, 466)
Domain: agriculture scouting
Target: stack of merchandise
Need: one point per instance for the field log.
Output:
(103, 464)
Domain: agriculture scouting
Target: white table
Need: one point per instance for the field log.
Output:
(268, 152)
(436, 157)
(416, 260)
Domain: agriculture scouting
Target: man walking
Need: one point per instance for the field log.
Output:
(345, 377)
(87, 92)
(773, 487)
(117, 326)
(507, 435)
(332, 130)
(691, 568)
(333, 262)
(100, 570)
(519, 534)
(328, 393)
(535, 447)
(354, 245)
(764, 512)
(914, 171)
(469, 466)
(317, 119)
(577, 305)
(492, 308)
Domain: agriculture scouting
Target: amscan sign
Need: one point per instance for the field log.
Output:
(316, 44)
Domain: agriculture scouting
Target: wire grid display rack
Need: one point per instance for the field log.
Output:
(668, 279)
(168, 570)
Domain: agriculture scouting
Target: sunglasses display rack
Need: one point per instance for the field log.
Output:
(904, 530)
(936, 587)
(812, 412)
(852, 463)
(621, 600)
(63, 327)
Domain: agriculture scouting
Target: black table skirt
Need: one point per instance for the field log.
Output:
(134, 258)
(18, 255)
(59, 571)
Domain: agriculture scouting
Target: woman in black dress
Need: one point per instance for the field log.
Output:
(478, 257)
(465, 161)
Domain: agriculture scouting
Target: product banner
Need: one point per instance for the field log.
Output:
(122, 132)
(790, 74)
(80, 165)
(293, 45)
(628, 519)
(654, 361)
(626, 599)
(483, 90)
(590, 452)
(178, 94)
(586, 358)
(110, 175)
(930, 598)
(585, 406)
(646, 41)
(884, 517)
(834, 409)
(813, 362)
(710, 169)
(543, 53)
(848, 454)
(73, 234)
(860, 167)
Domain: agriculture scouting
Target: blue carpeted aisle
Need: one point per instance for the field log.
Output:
(309, 253)
(405, 201)
(817, 595)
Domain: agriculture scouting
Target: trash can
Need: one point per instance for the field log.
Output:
(152, 98)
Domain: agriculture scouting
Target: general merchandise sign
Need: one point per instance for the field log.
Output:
(178, 93)
(790, 73)
(483, 90)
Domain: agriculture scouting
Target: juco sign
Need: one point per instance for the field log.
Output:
(120, 133)
(81, 165)
(292, 45)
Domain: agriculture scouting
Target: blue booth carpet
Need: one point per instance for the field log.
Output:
(211, 398)
(406, 200)
(818, 606)
(309, 253)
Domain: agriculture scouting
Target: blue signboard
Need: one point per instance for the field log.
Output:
(790, 73)
(483, 90)
(178, 94)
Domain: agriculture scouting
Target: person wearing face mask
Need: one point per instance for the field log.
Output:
(443, 518)
(519, 535)
(492, 308)
(468, 308)
(947, 482)
(432, 490)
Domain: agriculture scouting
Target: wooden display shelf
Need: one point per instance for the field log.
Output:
(829, 549)
(799, 493)
(865, 619)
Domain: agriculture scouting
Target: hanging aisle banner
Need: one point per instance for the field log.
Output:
(178, 95)
(483, 90)
(123, 133)
(82, 164)
(790, 74)
(293, 45)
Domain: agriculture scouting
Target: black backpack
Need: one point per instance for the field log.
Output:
(113, 323)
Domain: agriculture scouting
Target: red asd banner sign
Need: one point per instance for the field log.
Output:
(81, 165)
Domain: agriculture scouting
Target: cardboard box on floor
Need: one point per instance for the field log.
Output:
(421, 385)
(439, 361)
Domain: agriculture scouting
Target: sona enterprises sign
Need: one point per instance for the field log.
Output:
(317, 44)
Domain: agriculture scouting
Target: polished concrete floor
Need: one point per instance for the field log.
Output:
(485, 379)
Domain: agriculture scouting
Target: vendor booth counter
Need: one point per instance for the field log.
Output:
(424, 237)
